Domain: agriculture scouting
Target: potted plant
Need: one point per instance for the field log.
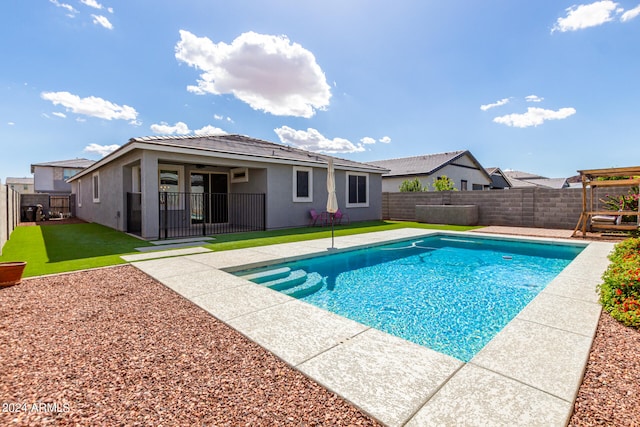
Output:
(11, 272)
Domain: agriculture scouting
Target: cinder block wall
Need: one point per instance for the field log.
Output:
(523, 207)
(9, 213)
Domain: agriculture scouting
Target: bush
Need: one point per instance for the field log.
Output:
(620, 290)
(413, 185)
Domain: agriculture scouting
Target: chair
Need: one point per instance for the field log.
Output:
(315, 216)
(339, 216)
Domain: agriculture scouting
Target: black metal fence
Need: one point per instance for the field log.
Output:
(203, 214)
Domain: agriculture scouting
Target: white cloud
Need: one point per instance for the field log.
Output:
(534, 117)
(103, 150)
(91, 106)
(103, 21)
(385, 140)
(270, 73)
(220, 117)
(92, 3)
(11, 123)
(61, 115)
(71, 11)
(209, 130)
(368, 140)
(630, 14)
(495, 104)
(313, 140)
(534, 98)
(164, 128)
(586, 15)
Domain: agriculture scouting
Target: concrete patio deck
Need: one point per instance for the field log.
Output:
(528, 374)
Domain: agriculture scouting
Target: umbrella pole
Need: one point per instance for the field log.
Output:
(332, 216)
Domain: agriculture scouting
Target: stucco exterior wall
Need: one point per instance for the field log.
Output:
(273, 179)
(9, 213)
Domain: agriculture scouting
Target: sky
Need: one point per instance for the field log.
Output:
(542, 86)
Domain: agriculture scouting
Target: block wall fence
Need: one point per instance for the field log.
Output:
(521, 207)
(9, 213)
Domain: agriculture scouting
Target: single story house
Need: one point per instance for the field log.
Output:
(174, 186)
(519, 179)
(51, 177)
(499, 180)
(460, 166)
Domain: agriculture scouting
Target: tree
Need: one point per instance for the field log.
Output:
(411, 185)
(444, 183)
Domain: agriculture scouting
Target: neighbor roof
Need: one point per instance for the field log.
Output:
(423, 165)
(232, 146)
(71, 164)
(519, 179)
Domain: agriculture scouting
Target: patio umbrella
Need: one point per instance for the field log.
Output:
(332, 200)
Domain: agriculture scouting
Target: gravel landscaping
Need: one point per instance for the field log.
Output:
(112, 346)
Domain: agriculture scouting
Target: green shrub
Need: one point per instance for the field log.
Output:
(620, 290)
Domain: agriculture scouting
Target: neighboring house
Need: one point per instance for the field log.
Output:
(499, 180)
(52, 177)
(177, 186)
(21, 185)
(460, 166)
(519, 179)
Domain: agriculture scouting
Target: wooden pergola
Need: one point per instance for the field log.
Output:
(590, 179)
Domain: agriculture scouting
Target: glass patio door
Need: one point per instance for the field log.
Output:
(209, 202)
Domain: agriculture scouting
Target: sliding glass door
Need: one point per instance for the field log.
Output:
(209, 202)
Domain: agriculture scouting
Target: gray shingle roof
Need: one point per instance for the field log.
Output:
(418, 165)
(233, 146)
(72, 163)
(252, 147)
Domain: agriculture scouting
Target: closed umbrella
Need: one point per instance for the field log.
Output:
(332, 200)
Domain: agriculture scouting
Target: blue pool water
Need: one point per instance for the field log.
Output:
(450, 294)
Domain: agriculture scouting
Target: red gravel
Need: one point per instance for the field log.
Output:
(610, 391)
(113, 347)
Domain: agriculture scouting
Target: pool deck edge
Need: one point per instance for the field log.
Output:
(395, 381)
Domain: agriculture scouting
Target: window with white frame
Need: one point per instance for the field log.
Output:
(357, 190)
(95, 181)
(302, 184)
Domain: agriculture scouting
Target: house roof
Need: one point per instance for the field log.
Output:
(425, 164)
(519, 179)
(232, 146)
(498, 178)
(24, 181)
(72, 164)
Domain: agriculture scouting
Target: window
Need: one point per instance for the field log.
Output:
(170, 178)
(79, 195)
(463, 185)
(476, 187)
(68, 173)
(302, 184)
(239, 175)
(357, 190)
(96, 187)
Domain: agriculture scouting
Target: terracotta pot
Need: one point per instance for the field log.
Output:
(11, 272)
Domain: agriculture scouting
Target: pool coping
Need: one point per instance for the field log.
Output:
(530, 372)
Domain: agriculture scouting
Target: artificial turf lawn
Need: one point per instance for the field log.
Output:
(52, 249)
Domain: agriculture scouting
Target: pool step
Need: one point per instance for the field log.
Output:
(312, 285)
(268, 275)
(295, 278)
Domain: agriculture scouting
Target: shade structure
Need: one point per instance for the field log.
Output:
(332, 200)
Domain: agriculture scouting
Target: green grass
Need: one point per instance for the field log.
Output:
(52, 249)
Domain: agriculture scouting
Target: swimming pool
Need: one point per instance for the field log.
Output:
(449, 293)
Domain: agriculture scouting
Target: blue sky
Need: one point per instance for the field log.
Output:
(542, 86)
